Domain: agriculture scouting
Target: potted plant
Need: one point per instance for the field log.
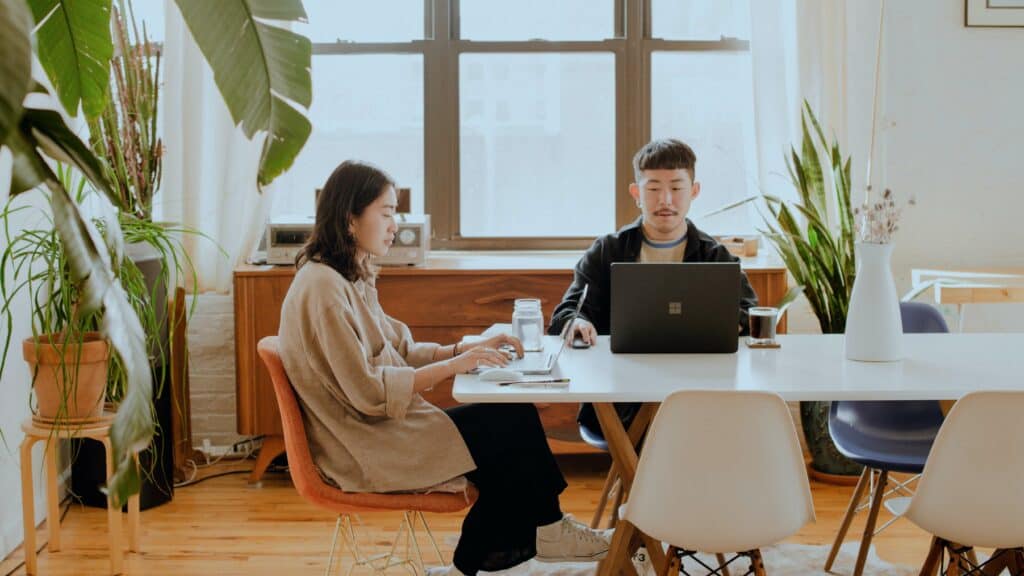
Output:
(68, 358)
(73, 370)
(814, 236)
(75, 49)
(815, 239)
(125, 136)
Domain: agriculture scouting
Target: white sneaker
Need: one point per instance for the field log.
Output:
(444, 571)
(570, 540)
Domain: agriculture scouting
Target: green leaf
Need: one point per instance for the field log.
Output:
(815, 180)
(731, 206)
(47, 130)
(15, 63)
(74, 46)
(259, 69)
(791, 295)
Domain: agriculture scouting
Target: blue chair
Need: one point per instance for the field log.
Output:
(885, 437)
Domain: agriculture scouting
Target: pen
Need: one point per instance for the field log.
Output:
(551, 381)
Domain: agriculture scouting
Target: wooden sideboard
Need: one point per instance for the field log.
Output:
(453, 295)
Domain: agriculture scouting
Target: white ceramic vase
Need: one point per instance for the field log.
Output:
(874, 329)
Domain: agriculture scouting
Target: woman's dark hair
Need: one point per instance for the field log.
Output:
(351, 188)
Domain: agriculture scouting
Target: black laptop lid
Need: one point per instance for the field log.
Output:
(675, 307)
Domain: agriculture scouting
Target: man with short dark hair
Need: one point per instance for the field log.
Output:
(664, 189)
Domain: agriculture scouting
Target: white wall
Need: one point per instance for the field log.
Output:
(14, 407)
(954, 107)
(950, 133)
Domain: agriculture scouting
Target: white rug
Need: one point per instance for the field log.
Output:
(780, 560)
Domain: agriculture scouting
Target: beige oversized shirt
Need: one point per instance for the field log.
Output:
(352, 367)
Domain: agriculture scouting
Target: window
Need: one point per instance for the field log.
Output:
(514, 123)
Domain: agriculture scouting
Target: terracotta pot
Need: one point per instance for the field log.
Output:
(81, 397)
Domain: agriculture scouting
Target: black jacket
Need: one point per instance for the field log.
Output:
(595, 268)
(624, 246)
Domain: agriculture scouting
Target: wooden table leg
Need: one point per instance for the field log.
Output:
(622, 446)
(28, 508)
(113, 515)
(273, 446)
(609, 482)
(52, 498)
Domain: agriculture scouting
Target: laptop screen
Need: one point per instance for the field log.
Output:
(566, 334)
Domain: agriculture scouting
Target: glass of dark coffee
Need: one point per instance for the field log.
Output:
(762, 325)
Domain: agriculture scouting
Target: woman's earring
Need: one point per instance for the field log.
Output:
(638, 204)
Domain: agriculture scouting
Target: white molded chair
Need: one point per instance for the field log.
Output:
(721, 472)
(981, 443)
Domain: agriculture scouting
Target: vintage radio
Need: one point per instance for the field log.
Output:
(412, 241)
(285, 236)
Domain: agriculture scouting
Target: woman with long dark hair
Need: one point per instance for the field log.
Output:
(358, 375)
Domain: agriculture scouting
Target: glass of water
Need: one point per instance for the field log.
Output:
(528, 323)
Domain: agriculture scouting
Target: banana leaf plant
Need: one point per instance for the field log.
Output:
(262, 72)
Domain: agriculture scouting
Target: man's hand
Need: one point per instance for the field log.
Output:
(585, 330)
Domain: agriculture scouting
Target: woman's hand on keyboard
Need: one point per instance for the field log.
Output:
(501, 341)
(477, 357)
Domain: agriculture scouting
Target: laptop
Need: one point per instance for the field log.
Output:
(675, 307)
(544, 362)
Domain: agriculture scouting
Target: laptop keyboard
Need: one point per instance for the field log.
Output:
(538, 361)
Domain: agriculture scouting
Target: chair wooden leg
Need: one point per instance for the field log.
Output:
(869, 528)
(609, 481)
(851, 511)
(654, 552)
(953, 567)
(933, 559)
(1017, 561)
(672, 566)
(721, 564)
(620, 495)
(618, 561)
(971, 556)
(757, 563)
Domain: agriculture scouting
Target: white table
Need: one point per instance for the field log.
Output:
(806, 367)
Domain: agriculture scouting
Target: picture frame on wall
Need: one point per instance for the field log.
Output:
(994, 13)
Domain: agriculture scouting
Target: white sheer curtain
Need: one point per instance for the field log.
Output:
(822, 51)
(209, 171)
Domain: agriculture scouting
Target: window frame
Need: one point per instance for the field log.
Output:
(441, 49)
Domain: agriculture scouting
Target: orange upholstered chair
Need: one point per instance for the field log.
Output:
(311, 487)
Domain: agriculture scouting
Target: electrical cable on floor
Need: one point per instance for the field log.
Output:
(217, 475)
(67, 507)
(229, 456)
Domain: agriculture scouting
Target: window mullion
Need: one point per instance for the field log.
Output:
(633, 106)
(440, 139)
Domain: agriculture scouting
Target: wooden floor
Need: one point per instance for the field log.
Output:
(224, 527)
